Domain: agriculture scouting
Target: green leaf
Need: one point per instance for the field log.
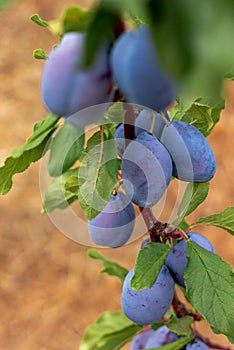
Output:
(231, 340)
(18, 165)
(71, 184)
(148, 265)
(194, 195)
(99, 174)
(39, 54)
(40, 132)
(110, 267)
(111, 331)
(203, 113)
(101, 30)
(224, 220)
(181, 326)
(210, 288)
(30, 152)
(177, 345)
(114, 115)
(76, 19)
(56, 195)
(170, 22)
(38, 20)
(65, 149)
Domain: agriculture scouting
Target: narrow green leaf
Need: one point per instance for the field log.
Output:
(65, 149)
(40, 54)
(40, 132)
(100, 30)
(181, 326)
(110, 331)
(19, 165)
(194, 195)
(148, 265)
(38, 20)
(210, 288)
(177, 345)
(100, 174)
(224, 220)
(110, 267)
(170, 22)
(56, 195)
(30, 152)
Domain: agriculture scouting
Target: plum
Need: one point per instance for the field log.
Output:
(160, 337)
(143, 122)
(176, 260)
(68, 87)
(146, 170)
(139, 341)
(138, 71)
(193, 158)
(197, 344)
(150, 304)
(114, 225)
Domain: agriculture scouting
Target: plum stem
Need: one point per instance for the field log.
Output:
(152, 124)
(151, 224)
(165, 117)
(181, 311)
(129, 123)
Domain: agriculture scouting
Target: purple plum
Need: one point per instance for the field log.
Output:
(148, 305)
(193, 158)
(146, 170)
(138, 72)
(68, 87)
(114, 225)
(176, 260)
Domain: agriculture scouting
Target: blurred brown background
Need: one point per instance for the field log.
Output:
(49, 289)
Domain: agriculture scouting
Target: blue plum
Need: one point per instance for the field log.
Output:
(176, 260)
(197, 345)
(114, 225)
(66, 86)
(144, 122)
(193, 158)
(146, 170)
(160, 337)
(139, 341)
(150, 304)
(138, 71)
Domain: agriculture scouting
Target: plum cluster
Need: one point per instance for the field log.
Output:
(158, 150)
(162, 336)
(173, 148)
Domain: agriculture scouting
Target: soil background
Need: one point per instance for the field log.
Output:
(50, 291)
